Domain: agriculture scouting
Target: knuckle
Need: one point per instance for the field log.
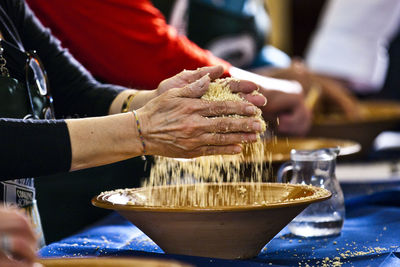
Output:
(191, 107)
(220, 107)
(220, 138)
(186, 109)
(222, 126)
(188, 130)
(182, 73)
(245, 126)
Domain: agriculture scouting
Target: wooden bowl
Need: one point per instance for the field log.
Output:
(279, 150)
(221, 231)
(376, 117)
(108, 261)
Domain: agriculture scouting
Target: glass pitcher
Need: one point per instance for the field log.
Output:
(317, 168)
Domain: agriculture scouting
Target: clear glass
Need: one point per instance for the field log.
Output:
(317, 168)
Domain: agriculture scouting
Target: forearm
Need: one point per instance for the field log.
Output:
(31, 148)
(103, 140)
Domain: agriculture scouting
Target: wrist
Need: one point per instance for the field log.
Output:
(140, 134)
(128, 102)
(141, 98)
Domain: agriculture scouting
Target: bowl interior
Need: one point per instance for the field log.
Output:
(210, 197)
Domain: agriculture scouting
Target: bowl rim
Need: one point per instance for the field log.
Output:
(101, 203)
(125, 260)
(395, 105)
(347, 146)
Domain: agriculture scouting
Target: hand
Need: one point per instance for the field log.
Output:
(335, 96)
(294, 117)
(18, 242)
(246, 88)
(177, 123)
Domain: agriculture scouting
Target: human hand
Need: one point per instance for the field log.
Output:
(18, 242)
(336, 98)
(286, 112)
(334, 95)
(178, 123)
(245, 88)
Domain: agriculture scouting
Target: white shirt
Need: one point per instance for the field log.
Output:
(352, 41)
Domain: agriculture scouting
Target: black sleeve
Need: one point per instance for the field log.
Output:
(33, 148)
(36, 148)
(76, 93)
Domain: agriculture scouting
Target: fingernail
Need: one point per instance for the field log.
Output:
(251, 138)
(251, 109)
(265, 103)
(237, 149)
(257, 126)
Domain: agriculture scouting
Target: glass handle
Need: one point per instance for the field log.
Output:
(282, 172)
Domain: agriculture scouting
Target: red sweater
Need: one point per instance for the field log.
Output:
(122, 41)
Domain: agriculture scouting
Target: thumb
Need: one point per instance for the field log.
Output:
(195, 89)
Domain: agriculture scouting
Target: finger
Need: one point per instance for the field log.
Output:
(23, 249)
(219, 108)
(208, 150)
(192, 75)
(281, 102)
(219, 150)
(196, 89)
(15, 221)
(233, 125)
(258, 99)
(298, 65)
(6, 262)
(223, 139)
(287, 127)
(297, 123)
(242, 86)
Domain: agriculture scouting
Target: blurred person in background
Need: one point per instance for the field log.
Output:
(354, 53)
(235, 30)
(137, 31)
(355, 42)
(356, 50)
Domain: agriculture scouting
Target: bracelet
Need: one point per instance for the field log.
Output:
(140, 133)
(128, 102)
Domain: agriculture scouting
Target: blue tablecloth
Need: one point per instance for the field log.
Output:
(370, 237)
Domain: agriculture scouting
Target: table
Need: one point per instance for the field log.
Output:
(370, 237)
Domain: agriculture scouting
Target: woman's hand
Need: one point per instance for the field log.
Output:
(178, 123)
(18, 242)
(246, 88)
